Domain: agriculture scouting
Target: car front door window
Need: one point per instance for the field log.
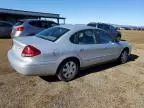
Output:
(109, 49)
(102, 37)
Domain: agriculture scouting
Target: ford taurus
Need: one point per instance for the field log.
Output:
(63, 50)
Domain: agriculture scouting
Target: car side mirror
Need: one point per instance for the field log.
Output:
(117, 39)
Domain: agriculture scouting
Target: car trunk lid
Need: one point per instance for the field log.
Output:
(20, 43)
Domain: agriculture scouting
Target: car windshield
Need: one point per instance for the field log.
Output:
(52, 33)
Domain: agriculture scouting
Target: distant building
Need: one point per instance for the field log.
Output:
(121, 28)
(14, 15)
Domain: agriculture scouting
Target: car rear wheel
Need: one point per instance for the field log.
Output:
(124, 56)
(68, 70)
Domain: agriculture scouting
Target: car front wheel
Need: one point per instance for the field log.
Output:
(124, 57)
(68, 70)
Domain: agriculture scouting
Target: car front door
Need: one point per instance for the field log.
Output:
(113, 31)
(105, 45)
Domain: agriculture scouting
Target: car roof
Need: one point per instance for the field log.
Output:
(99, 23)
(76, 26)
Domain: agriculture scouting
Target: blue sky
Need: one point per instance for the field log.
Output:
(125, 12)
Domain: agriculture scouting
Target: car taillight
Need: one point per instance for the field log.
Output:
(30, 51)
(20, 28)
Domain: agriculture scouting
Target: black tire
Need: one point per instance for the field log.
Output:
(64, 76)
(124, 56)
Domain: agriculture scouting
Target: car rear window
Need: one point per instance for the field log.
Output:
(19, 23)
(52, 33)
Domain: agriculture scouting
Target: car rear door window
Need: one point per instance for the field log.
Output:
(83, 37)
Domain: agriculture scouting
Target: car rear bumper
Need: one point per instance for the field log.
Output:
(22, 67)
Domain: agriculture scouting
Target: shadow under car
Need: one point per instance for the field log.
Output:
(93, 69)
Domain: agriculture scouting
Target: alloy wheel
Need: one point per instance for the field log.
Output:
(69, 70)
(124, 56)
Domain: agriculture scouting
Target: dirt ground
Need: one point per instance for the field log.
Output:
(105, 86)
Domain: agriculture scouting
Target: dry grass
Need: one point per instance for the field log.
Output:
(104, 86)
(134, 36)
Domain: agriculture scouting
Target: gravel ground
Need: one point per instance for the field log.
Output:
(105, 86)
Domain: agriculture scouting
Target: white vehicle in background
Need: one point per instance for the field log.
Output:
(63, 50)
(30, 27)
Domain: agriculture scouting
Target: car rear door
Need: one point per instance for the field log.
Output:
(86, 46)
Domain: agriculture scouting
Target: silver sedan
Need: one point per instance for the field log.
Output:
(63, 50)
